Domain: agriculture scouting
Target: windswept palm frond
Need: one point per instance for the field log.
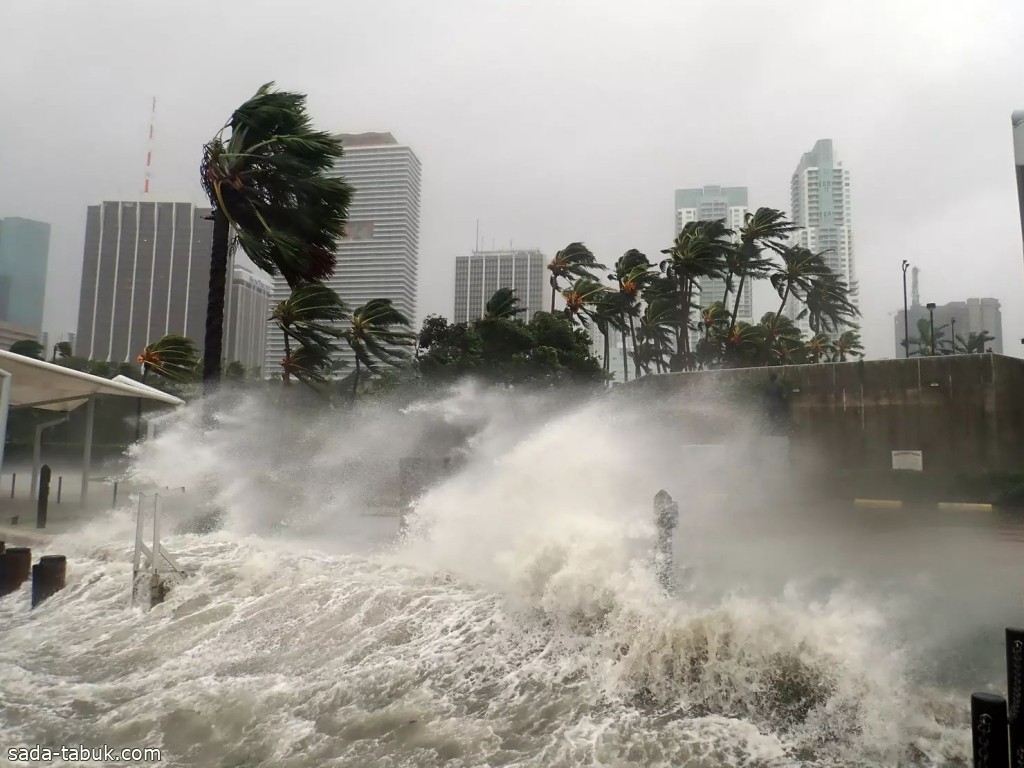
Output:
(573, 261)
(503, 304)
(171, 357)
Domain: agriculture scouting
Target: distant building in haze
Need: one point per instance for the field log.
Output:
(712, 203)
(24, 252)
(479, 275)
(145, 273)
(1017, 120)
(956, 318)
(379, 258)
(247, 309)
(821, 208)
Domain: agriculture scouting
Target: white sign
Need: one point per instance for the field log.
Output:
(912, 460)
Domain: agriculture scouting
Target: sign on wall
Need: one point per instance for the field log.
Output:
(910, 460)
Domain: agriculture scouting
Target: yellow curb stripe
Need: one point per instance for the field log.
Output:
(957, 506)
(878, 503)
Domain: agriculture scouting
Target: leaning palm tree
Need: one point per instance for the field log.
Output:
(656, 324)
(975, 344)
(171, 357)
(796, 274)
(764, 229)
(61, 350)
(632, 274)
(847, 345)
(607, 314)
(373, 338)
(827, 304)
(311, 316)
(818, 346)
(573, 261)
(580, 296)
(264, 173)
(503, 305)
(309, 363)
(699, 251)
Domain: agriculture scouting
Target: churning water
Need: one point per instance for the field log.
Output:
(519, 623)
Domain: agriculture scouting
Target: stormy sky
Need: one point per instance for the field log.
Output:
(550, 120)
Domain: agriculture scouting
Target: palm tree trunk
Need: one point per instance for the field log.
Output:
(212, 345)
(553, 281)
(607, 348)
(355, 380)
(632, 337)
(736, 304)
(625, 357)
(785, 298)
(285, 376)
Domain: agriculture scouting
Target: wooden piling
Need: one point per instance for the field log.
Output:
(988, 731)
(48, 577)
(44, 496)
(15, 565)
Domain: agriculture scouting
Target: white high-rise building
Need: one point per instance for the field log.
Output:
(820, 201)
(712, 203)
(246, 313)
(479, 276)
(378, 258)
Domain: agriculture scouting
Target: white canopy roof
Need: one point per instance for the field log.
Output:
(52, 387)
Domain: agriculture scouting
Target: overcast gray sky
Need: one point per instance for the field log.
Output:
(551, 121)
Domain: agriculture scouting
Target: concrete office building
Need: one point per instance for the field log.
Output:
(955, 318)
(379, 257)
(246, 320)
(145, 273)
(821, 208)
(479, 275)
(24, 252)
(710, 204)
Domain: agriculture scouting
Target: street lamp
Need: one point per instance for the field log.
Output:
(906, 315)
(952, 333)
(931, 321)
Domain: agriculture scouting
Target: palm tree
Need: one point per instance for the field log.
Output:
(743, 346)
(818, 346)
(847, 345)
(699, 251)
(311, 316)
(504, 304)
(926, 345)
(28, 348)
(264, 173)
(573, 261)
(782, 340)
(632, 274)
(372, 337)
(607, 314)
(714, 324)
(61, 350)
(586, 291)
(765, 228)
(827, 303)
(172, 357)
(796, 274)
(308, 363)
(656, 324)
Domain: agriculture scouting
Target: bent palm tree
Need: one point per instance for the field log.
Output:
(632, 274)
(796, 274)
(266, 181)
(308, 363)
(311, 316)
(765, 228)
(372, 338)
(504, 304)
(171, 357)
(573, 261)
(586, 291)
(847, 345)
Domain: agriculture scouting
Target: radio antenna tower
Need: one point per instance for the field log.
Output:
(149, 149)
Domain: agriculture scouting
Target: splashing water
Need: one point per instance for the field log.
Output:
(518, 624)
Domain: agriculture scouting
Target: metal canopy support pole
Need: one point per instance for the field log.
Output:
(90, 414)
(37, 451)
(5, 404)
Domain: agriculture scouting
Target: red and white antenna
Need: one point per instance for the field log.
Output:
(149, 148)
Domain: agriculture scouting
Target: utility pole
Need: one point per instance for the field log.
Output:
(906, 313)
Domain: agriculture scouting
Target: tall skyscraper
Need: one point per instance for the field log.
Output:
(820, 201)
(379, 257)
(712, 203)
(24, 251)
(246, 312)
(145, 273)
(479, 275)
(1017, 120)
